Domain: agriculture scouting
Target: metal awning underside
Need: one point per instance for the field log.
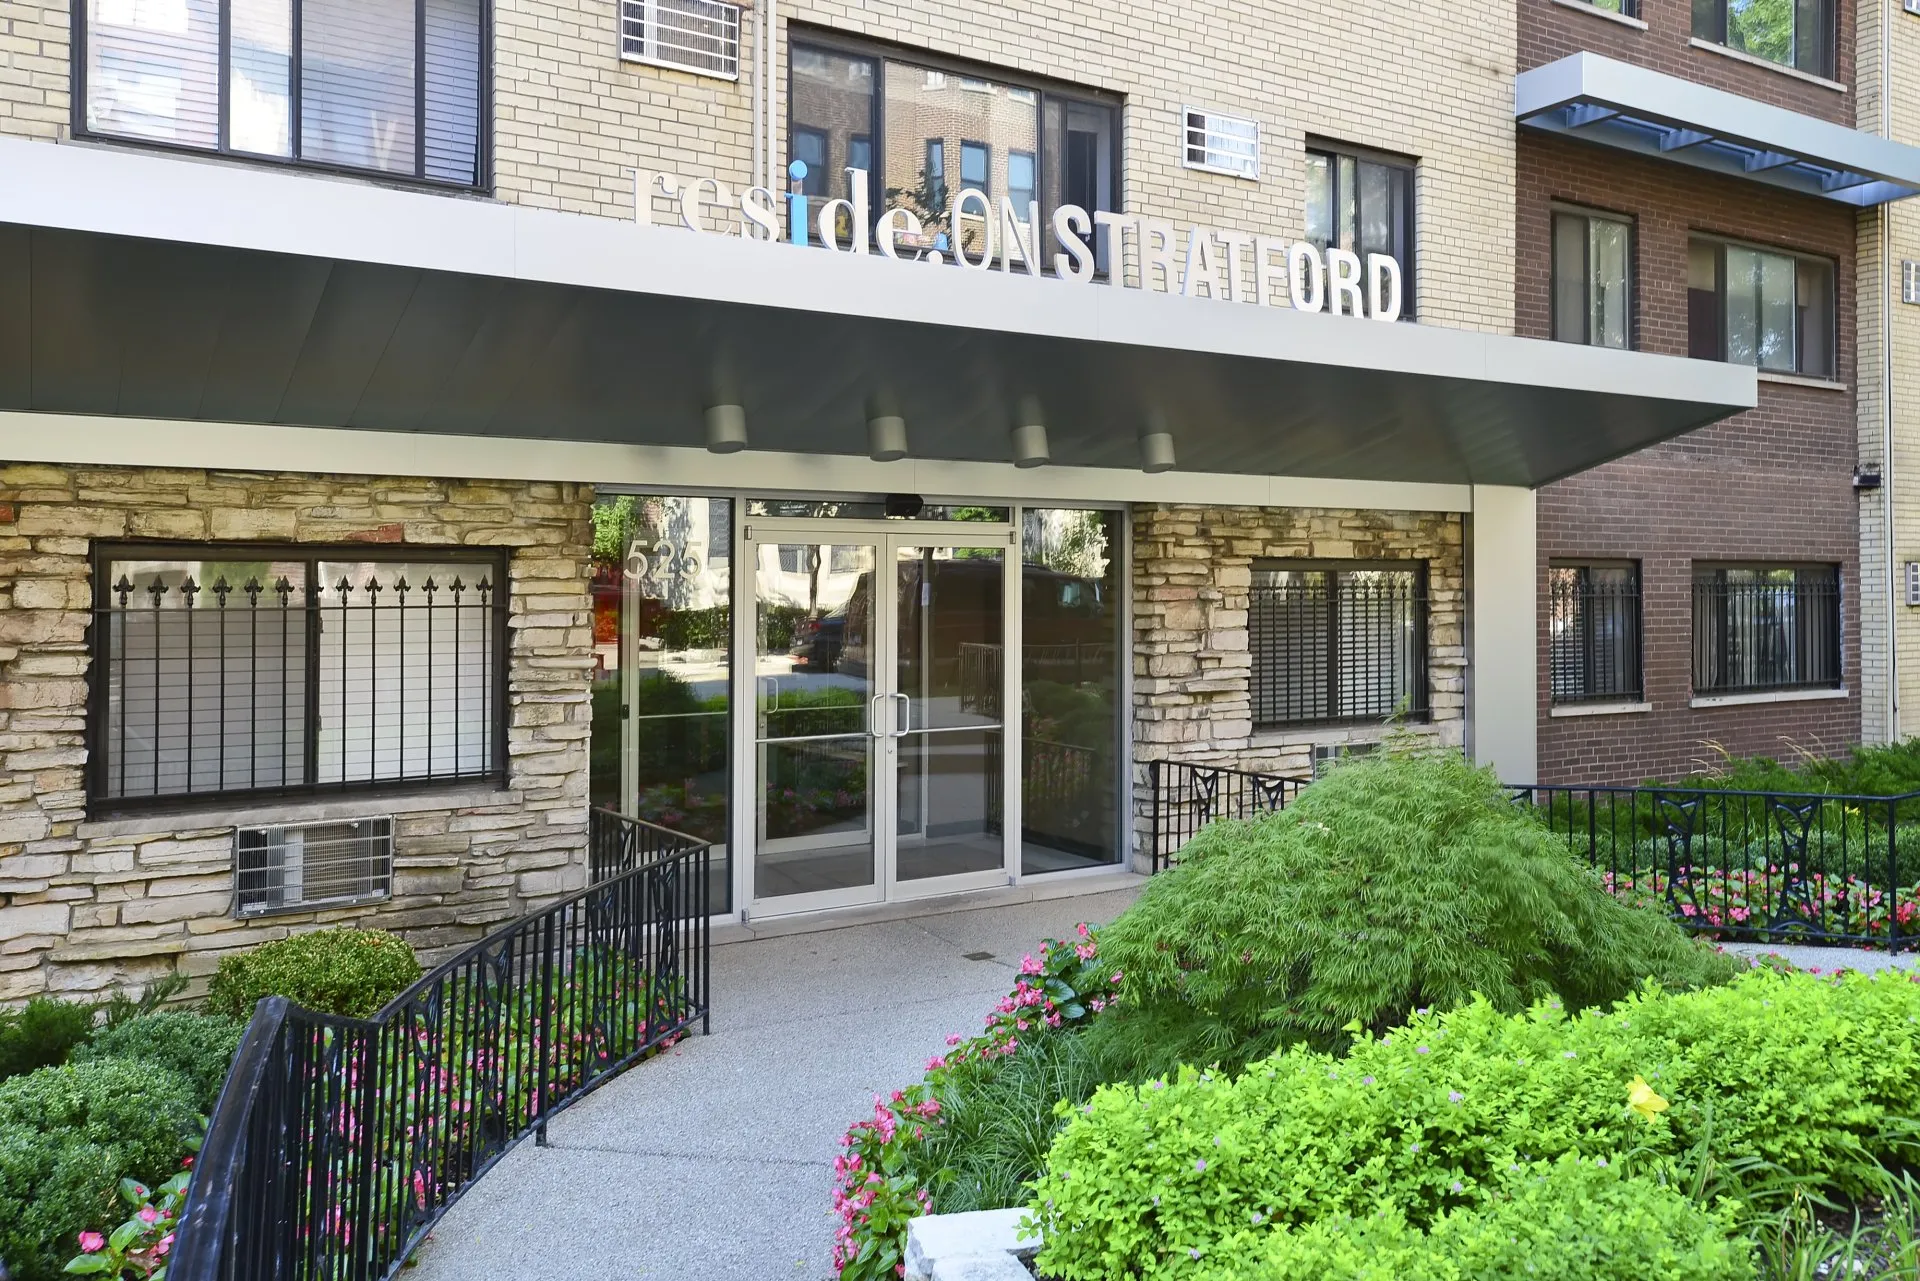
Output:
(1620, 105)
(152, 287)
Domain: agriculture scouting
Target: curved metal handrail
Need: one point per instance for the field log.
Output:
(337, 1143)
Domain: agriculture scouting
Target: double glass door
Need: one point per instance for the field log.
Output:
(878, 755)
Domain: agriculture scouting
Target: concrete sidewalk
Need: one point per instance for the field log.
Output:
(715, 1161)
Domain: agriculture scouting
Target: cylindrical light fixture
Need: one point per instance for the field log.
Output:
(1156, 451)
(886, 438)
(726, 428)
(1029, 435)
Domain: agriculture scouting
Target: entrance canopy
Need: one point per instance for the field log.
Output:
(142, 285)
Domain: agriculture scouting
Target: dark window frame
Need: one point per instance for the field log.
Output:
(483, 108)
(1720, 245)
(1557, 211)
(100, 799)
(1631, 690)
(935, 170)
(1333, 151)
(1709, 23)
(1420, 697)
(1047, 90)
(985, 185)
(1709, 587)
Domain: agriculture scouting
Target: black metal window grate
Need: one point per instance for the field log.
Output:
(1594, 632)
(1761, 628)
(1337, 644)
(230, 671)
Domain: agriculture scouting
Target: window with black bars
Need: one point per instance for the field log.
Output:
(1765, 627)
(1337, 643)
(1594, 632)
(236, 671)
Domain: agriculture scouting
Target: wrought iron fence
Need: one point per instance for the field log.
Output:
(1751, 866)
(1186, 797)
(337, 1143)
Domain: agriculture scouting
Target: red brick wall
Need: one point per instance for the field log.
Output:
(1549, 32)
(1772, 483)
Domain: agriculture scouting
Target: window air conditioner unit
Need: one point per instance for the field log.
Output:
(1220, 143)
(1909, 269)
(1911, 6)
(1327, 755)
(1913, 582)
(304, 866)
(701, 36)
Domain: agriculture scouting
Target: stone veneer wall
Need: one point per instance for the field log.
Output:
(89, 904)
(1192, 571)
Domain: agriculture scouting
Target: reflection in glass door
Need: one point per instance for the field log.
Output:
(814, 700)
(950, 641)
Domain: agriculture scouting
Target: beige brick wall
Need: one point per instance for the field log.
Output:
(572, 117)
(1889, 56)
(88, 903)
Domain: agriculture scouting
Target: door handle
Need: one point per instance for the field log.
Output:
(903, 717)
(873, 717)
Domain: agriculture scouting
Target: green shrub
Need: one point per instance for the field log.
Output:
(1400, 880)
(1813, 1079)
(199, 1047)
(68, 1135)
(43, 1033)
(1568, 1219)
(346, 972)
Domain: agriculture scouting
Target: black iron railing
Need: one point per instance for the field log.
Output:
(1328, 645)
(1594, 633)
(337, 1143)
(1737, 866)
(1766, 629)
(1186, 797)
(1751, 866)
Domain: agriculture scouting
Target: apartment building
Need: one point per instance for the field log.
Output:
(1690, 181)
(866, 438)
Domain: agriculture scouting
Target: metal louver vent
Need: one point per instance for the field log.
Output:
(701, 36)
(301, 866)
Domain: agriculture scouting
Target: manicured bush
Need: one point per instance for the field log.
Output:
(1571, 1218)
(68, 1136)
(1401, 880)
(43, 1033)
(1813, 1078)
(198, 1047)
(340, 971)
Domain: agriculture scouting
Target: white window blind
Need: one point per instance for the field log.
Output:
(701, 36)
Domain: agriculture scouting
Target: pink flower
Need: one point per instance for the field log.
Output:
(148, 1214)
(92, 1242)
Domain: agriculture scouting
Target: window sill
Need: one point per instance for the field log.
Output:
(635, 60)
(1585, 7)
(1738, 56)
(279, 812)
(1600, 709)
(1799, 380)
(1768, 696)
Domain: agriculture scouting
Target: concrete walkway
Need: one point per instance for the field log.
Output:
(715, 1161)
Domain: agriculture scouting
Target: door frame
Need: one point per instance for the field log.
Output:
(886, 537)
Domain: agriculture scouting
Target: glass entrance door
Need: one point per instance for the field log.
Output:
(879, 683)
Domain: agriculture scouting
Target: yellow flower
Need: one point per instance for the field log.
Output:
(1642, 1099)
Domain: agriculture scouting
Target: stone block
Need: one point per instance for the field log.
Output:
(956, 1241)
(250, 523)
(35, 918)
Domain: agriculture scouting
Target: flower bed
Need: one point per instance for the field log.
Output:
(1772, 898)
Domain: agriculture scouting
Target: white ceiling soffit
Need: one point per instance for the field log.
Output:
(1620, 105)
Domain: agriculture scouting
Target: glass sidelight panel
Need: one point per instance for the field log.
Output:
(662, 647)
(1071, 651)
(814, 681)
(951, 637)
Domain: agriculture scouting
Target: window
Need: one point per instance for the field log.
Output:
(974, 161)
(1364, 205)
(1591, 270)
(1793, 33)
(1020, 176)
(251, 671)
(702, 36)
(1760, 307)
(1594, 632)
(1221, 144)
(936, 129)
(348, 84)
(860, 153)
(1625, 8)
(1765, 627)
(1338, 643)
(933, 178)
